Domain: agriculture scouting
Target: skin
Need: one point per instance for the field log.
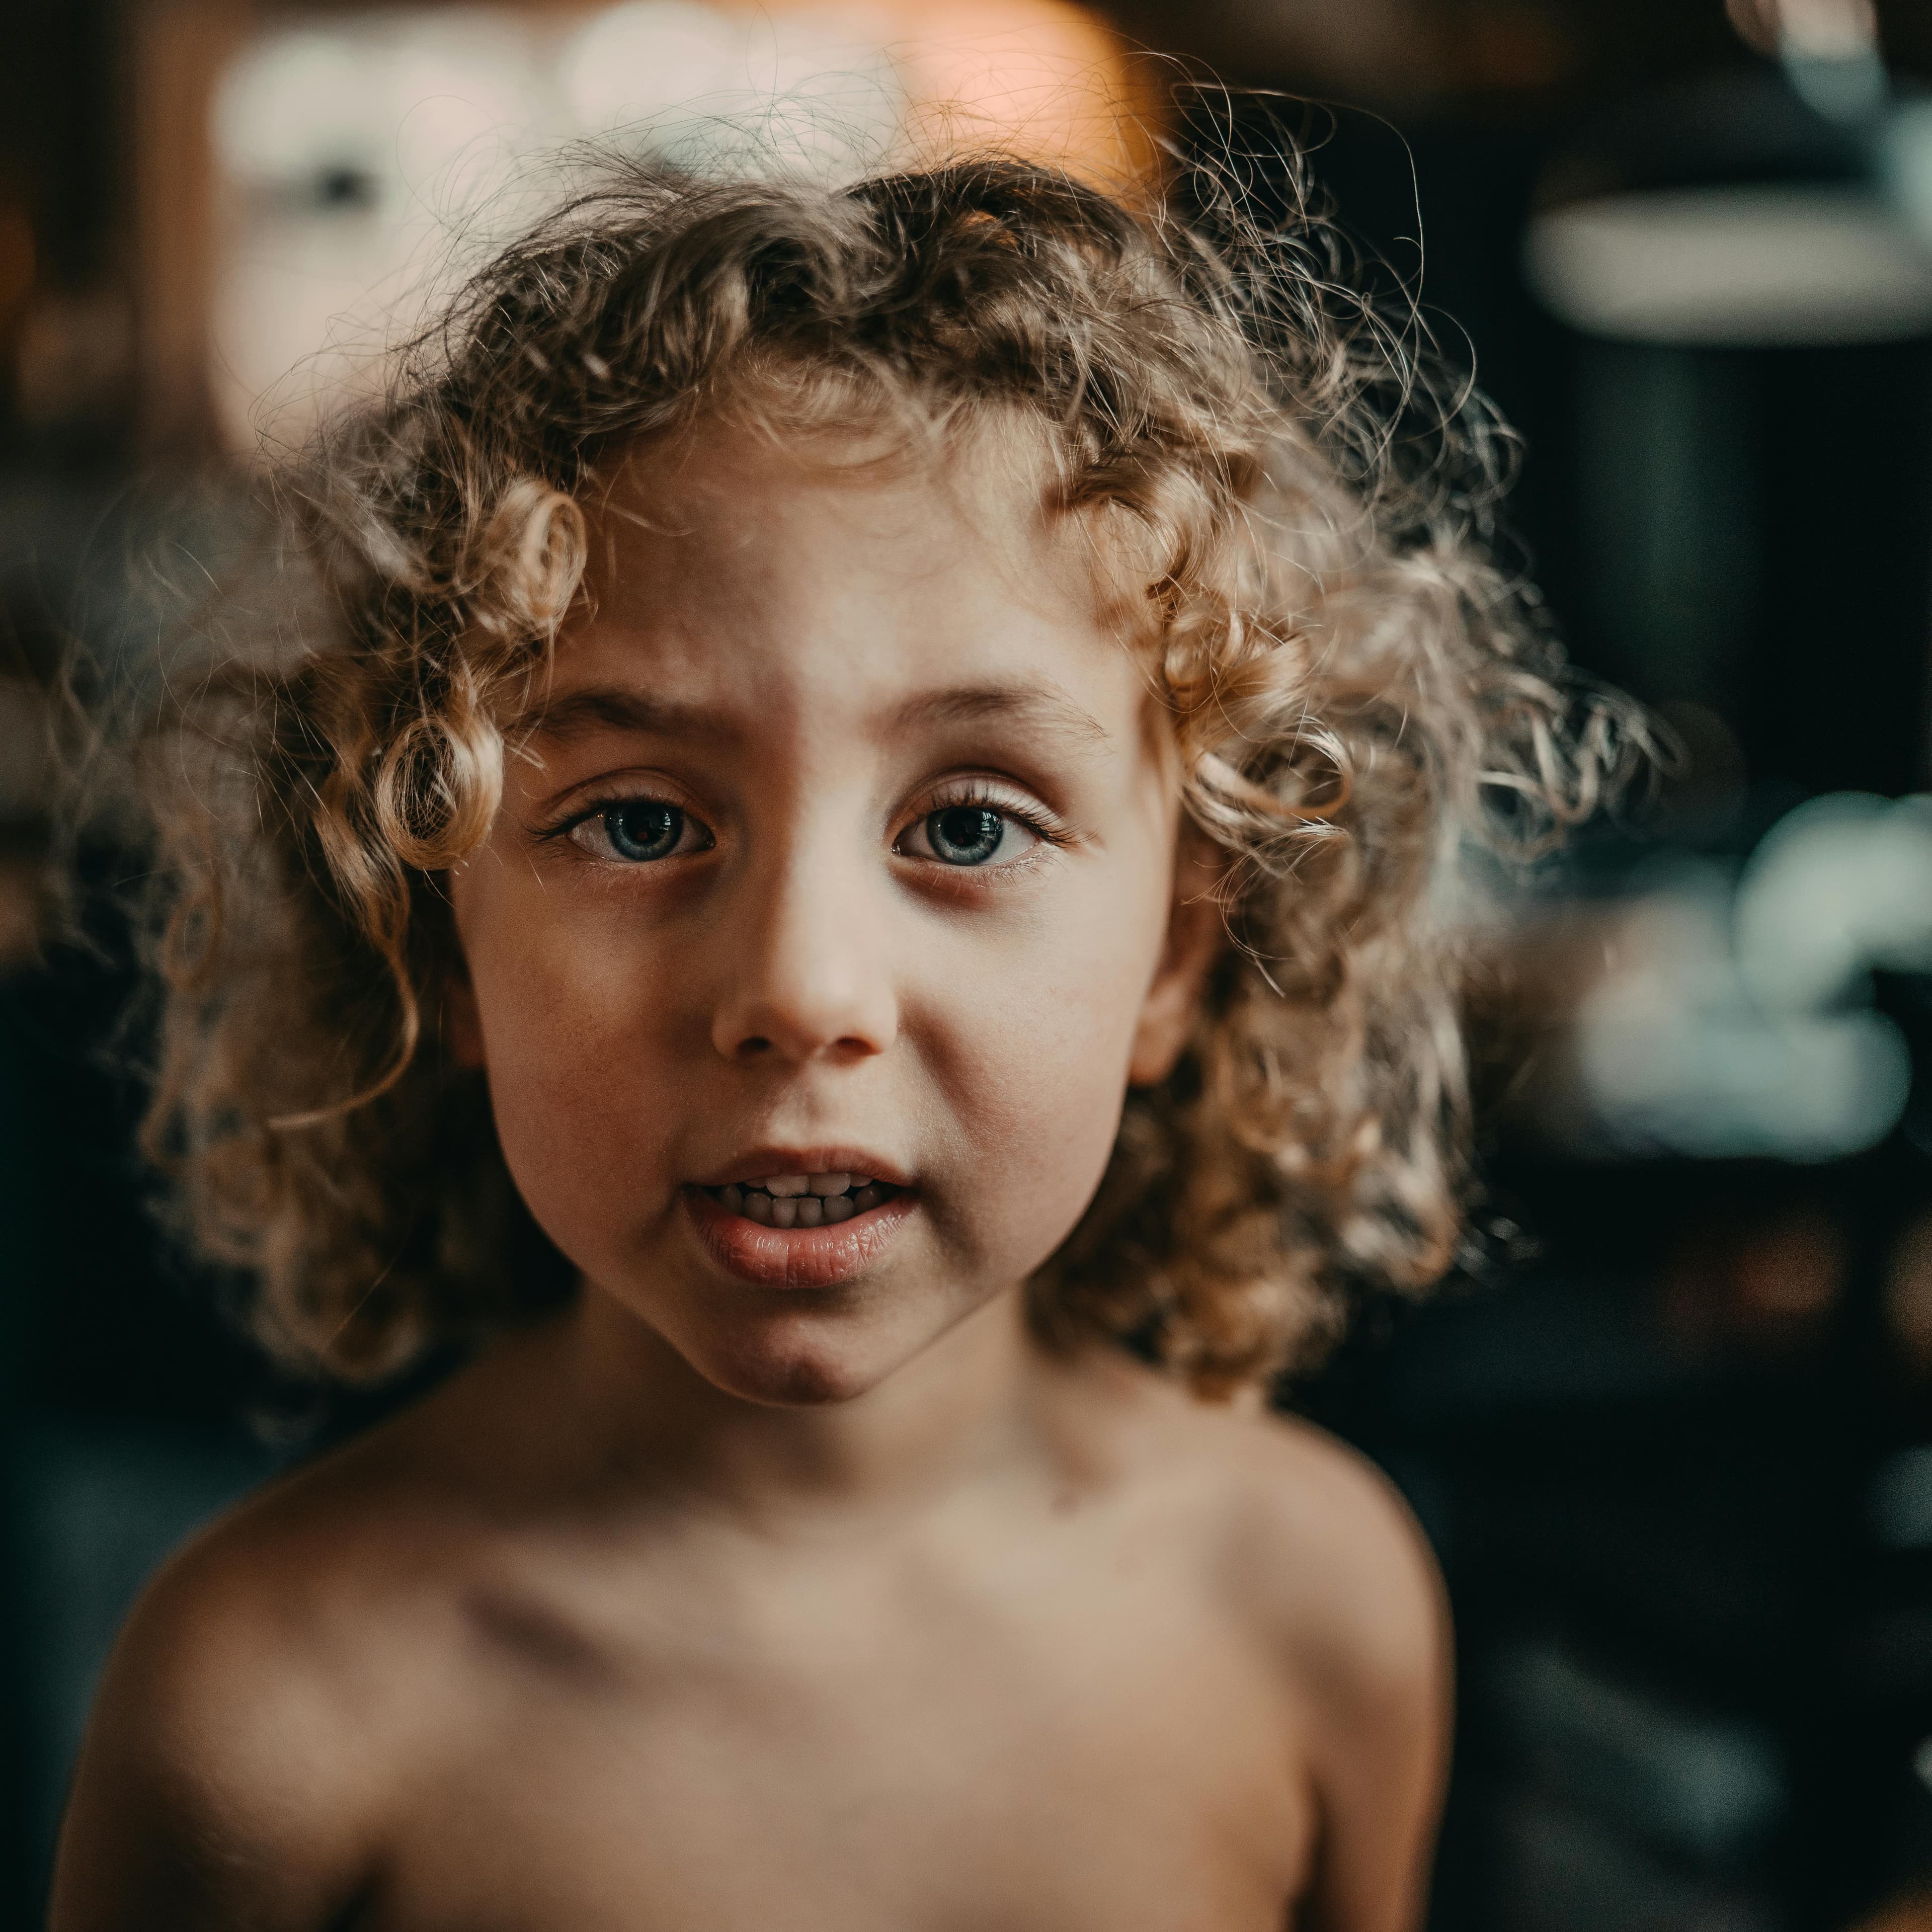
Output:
(738, 1596)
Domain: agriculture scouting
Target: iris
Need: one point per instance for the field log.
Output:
(643, 829)
(965, 835)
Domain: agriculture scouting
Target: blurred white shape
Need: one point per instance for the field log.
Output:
(1823, 29)
(1721, 1085)
(1840, 885)
(813, 88)
(1851, 88)
(839, 94)
(1830, 55)
(1904, 153)
(1728, 1025)
(1829, 49)
(635, 61)
(1744, 266)
(293, 104)
(1826, 29)
(466, 103)
(396, 98)
(356, 160)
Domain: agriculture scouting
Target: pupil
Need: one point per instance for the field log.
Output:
(965, 835)
(645, 830)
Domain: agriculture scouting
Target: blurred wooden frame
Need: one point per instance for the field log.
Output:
(180, 49)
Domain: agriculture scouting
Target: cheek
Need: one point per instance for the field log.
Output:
(571, 1039)
(1035, 1065)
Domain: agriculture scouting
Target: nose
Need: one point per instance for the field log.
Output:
(808, 977)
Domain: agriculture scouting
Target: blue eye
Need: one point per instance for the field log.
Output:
(965, 835)
(643, 829)
(636, 831)
(972, 832)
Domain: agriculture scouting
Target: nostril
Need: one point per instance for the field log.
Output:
(757, 1043)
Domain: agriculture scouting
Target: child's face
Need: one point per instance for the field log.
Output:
(847, 845)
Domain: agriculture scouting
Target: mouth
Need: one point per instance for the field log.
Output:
(798, 1228)
(803, 1200)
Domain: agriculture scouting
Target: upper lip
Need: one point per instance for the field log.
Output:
(765, 1163)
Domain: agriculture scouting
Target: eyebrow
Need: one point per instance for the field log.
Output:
(1040, 707)
(612, 707)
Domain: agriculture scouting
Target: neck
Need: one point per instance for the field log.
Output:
(649, 1420)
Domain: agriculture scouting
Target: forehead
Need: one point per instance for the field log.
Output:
(852, 560)
(777, 514)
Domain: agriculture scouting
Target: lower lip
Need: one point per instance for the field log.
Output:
(818, 1257)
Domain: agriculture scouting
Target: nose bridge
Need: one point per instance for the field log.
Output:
(806, 973)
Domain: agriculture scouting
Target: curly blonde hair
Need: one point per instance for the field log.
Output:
(1359, 692)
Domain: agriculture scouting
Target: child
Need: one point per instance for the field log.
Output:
(854, 811)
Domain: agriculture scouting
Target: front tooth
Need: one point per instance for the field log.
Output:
(857, 1180)
(809, 1209)
(823, 1184)
(839, 1208)
(785, 1185)
(758, 1208)
(784, 1210)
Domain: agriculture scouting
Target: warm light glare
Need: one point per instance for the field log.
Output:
(364, 164)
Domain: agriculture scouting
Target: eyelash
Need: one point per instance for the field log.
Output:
(969, 792)
(561, 829)
(1048, 829)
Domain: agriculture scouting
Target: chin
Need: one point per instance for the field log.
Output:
(793, 1371)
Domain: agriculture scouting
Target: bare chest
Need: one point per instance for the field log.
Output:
(1061, 1766)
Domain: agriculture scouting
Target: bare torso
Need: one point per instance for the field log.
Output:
(1065, 1689)
(1072, 1734)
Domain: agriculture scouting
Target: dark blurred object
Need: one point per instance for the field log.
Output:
(100, 1506)
(1706, 1792)
(1517, 61)
(1669, 1471)
(1659, 1553)
(1770, 1282)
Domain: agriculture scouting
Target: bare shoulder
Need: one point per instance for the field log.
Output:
(1305, 1534)
(1328, 1554)
(1307, 1547)
(253, 1718)
(1320, 1557)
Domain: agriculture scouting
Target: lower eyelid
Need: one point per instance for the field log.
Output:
(936, 876)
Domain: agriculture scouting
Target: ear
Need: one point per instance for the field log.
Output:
(462, 1025)
(1197, 936)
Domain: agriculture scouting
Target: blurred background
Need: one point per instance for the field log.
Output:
(1670, 1426)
